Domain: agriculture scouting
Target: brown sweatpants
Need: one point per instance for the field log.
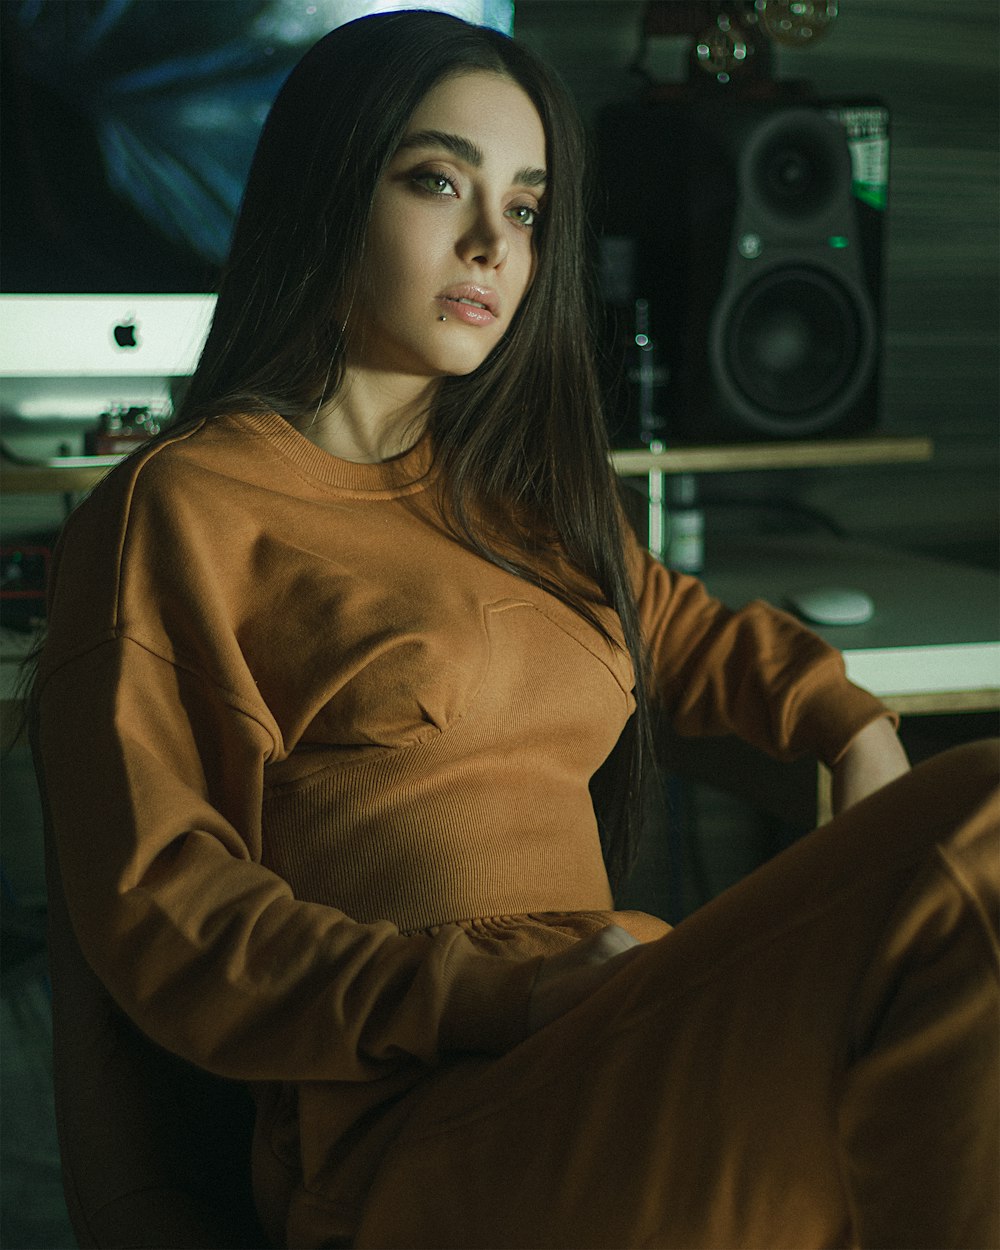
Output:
(809, 1061)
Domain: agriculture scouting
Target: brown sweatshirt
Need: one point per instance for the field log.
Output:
(335, 764)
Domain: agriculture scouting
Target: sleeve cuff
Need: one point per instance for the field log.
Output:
(487, 1007)
(833, 725)
(878, 712)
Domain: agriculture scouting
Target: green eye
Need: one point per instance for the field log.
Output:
(436, 184)
(524, 214)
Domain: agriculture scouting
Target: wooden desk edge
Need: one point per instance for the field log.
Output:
(929, 703)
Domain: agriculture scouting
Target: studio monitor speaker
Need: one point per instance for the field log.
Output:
(751, 230)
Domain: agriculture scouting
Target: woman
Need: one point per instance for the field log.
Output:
(347, 647)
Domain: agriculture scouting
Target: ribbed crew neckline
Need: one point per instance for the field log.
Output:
(408, 470)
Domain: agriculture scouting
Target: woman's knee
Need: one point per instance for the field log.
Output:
(969, 774)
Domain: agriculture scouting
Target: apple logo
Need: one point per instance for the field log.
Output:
(125, 334)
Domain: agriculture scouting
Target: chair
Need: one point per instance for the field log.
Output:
(155, 1152)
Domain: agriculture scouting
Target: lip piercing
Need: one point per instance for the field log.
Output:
(442, 318)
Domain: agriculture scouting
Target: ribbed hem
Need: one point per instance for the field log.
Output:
(387, 478)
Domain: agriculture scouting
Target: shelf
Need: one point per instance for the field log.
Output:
(746, 456)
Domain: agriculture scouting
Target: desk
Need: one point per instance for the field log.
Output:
(933, 645)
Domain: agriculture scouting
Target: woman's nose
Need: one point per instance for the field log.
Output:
(485, 242)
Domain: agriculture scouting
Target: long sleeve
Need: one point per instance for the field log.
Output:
(154, 784)
(756, 673)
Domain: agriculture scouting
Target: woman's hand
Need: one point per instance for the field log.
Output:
(568, 978)
(873, 759)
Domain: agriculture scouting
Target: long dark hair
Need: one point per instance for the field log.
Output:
(521, 436)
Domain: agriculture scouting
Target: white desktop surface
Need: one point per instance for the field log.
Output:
(936, 627)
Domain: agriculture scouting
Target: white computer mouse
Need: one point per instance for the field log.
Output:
(832, 605)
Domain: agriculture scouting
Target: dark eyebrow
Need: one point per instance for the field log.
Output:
(467, 152)
(531, 178)
(457, 145)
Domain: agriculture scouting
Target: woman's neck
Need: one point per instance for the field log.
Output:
(373, 417)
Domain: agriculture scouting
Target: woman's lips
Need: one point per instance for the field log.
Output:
(475, 305)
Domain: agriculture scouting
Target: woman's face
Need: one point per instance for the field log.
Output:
(450, 251)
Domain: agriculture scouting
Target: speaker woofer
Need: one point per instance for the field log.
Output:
(792, 350)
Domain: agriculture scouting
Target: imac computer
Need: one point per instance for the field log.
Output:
(67, 357)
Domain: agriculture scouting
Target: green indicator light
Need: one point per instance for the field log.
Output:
(837, 241)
